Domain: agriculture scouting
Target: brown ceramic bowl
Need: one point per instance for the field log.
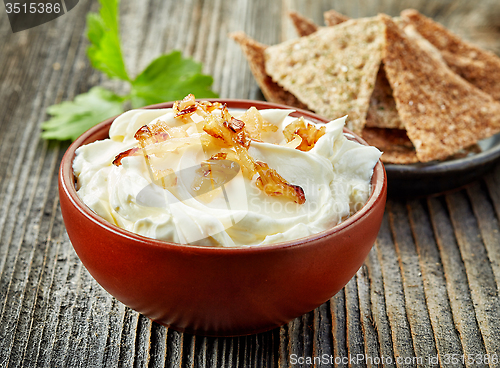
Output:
(218, 291)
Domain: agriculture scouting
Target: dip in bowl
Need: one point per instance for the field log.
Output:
(219, 290)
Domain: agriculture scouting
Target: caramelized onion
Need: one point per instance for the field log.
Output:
(232, 139)
(307, 132)
(130, 152)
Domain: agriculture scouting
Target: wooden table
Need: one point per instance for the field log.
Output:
(429, 287)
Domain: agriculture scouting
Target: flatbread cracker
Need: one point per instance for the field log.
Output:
(480, 67)
(333, 70)
(382, 112)
(254, 52)
(442, 112)
(394, 143)
(332, 18)
(303, 25)
(397, 147)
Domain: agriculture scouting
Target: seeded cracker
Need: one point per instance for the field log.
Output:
(394, 143)
(382, 112)
(397, 147)
(480, 67)
(333, 70)
(332, 18)
(442, 112)
(254, 52)
(303, 25)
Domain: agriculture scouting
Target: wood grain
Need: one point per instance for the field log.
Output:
(436, 295)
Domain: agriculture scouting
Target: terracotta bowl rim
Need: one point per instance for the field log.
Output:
(66, 182)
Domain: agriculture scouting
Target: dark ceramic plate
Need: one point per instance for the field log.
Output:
(437, 177)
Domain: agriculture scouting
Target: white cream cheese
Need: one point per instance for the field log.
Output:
(334, 175)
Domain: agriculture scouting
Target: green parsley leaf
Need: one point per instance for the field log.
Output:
(71, 118)
(170, 77)
(104, 35)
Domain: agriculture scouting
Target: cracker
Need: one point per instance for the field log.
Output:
(394, 143)
(480, 67)
(254, 52)
(332, 18)
(303, 25)
(382, 112)
(333, 70)
(442, 112)
(412, 33)
(397, 147)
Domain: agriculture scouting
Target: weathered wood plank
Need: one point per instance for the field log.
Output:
(379, 310)
(416, 307)
(456, 280)
(339, 328)
(128, 342)
(30, 261)
(53, 288)
(210, 352)
(436, 295)
(394, 294)
(175, 347)
(189, 350)
(41, 307)
(143, 341)
(68, 280)
(200, 353)
(492, 180)
(355, 341)
(158, 345)
(35, 209)
(14, 275)
(109, 345)
(283, 347)
(322, 329)
(234, 356)
(298, 335)
(18, 146)
(77, 348)
(479, 272)
(307, 334)
(371, 345)
(207, 51)
(488, 226)
(247, 351)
